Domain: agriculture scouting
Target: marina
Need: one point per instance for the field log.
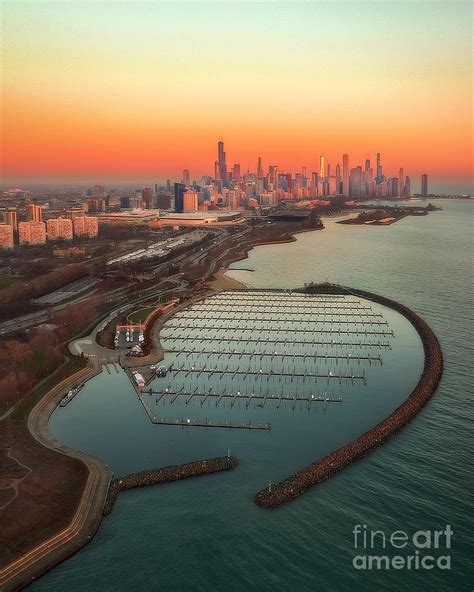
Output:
(267, 352)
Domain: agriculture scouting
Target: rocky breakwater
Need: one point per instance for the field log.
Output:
(167, 474)
(321, 470)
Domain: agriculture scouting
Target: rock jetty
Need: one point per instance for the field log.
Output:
(320, 470)
(165, 475)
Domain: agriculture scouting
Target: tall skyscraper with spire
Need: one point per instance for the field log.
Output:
(221, 159)
(345, 175)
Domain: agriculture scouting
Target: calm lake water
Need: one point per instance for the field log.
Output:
(207, 534)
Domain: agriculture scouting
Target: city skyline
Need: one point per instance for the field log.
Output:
(112, 95)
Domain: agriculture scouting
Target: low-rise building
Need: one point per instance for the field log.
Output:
(200, 218)
(134, 217)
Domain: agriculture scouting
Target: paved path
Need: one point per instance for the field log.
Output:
(14, 480)
(88, 515)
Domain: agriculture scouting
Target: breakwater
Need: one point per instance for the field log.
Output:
(323, 469)
(166, 475)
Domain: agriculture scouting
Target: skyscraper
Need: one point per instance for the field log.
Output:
(322, 167)
(186, 178)
(190, 201)
(34, 213)
(379, 177)
(401, 183)
(355, 185)
(338, 179)
(146, 197)
(222, 162)
(236, 173)
(259, 168)
(407, 187)
(345, 175)
(179, 189)
(424, 185)
(10, 218)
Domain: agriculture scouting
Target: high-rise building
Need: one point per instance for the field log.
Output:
(98, 191)
(146, 197)
(6, 236)
(163, 202)
(221, 159)
(236, 173)
(92, 205)
(10, 218)
(190, 201)
(367, 164)
(58, 228)
(407, 187)
(345, 175)
(338, 179)
(401, 182)
(424, 185)
(393, 187)
(179, 189)
(322, 167)
(125, 202)
(34, 213)
(86, 226)
(259, 169)
(355, 182)
(186, 178)
(32, 233)
(379, 177)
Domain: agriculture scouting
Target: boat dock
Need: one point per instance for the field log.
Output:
(70, 396)
(264, 350)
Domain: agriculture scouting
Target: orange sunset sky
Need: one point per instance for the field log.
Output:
(111, 91)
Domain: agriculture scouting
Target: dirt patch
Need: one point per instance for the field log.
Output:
(48, 496)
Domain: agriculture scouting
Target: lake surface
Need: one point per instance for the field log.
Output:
(207, 534)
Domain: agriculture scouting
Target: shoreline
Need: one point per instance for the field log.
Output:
(292, 487)
(87, 517)
(244, 250)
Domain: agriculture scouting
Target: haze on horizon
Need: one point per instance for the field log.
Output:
(143, 90)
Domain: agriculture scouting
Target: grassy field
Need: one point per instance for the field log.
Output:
(22, 411)
(140, 315)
